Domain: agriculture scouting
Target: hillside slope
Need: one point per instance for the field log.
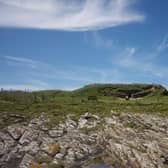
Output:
(17, 106)
(122, 90)
(112, 90)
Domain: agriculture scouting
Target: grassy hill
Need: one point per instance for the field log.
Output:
(146, 98)
(99, 90)
(122, 90)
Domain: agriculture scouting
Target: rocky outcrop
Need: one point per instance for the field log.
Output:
(117, 141)
(136, 141)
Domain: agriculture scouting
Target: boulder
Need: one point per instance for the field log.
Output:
(29, 136)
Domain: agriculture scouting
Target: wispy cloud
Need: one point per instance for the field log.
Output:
(127, 63)
(127, 58)
(71, 15)
(133, 63)
(98, 40)
(164, 44)
(49, 71)
(132, 59)
(46, 75)
(21, 60)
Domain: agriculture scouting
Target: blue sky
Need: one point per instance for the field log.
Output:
(65, 44)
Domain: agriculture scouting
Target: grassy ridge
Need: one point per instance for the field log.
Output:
(99, 90)
(58, 104)
(120, 90)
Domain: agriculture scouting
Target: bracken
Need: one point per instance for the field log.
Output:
(54, 147)
(35, 165)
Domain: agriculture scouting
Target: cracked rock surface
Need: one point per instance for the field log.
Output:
(118, 141)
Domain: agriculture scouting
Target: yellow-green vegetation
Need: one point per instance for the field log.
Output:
(98, 159)
(57, 104)
(43, 159)
(55, 166)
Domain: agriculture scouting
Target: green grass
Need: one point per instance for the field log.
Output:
(57, 104)
(98, 160)
(131, 124)
(55, 166)
(43, 159)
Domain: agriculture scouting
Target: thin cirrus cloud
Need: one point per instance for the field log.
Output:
(130, 58)
(164, 44)
(87, 74)
(74, 15)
